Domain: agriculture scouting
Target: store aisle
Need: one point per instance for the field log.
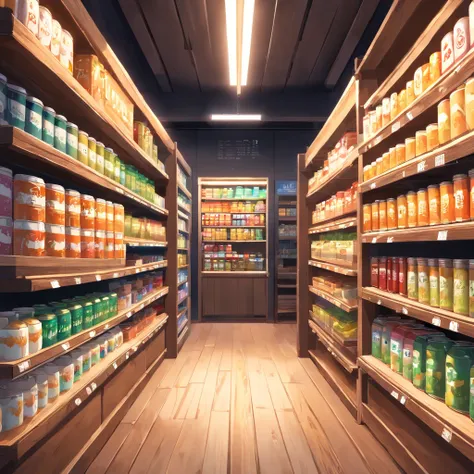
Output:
(238, 400)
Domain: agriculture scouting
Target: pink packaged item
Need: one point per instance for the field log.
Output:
(6, 191)
(6, 235)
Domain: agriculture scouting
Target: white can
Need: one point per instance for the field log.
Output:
(66, 55)
(447, 52)
(28, 14)
(461, 39)
(471, 23)
(56, 36)
(45, 27)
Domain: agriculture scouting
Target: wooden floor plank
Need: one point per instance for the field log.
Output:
(210, 384)
(194, 404)
(173, 403)
(217, 448)
(222, 395)
(192, 391)
(188, 368)
(169, 380)
(200, 371)
(277, 391)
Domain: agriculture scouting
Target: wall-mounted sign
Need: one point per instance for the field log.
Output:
(286, 188)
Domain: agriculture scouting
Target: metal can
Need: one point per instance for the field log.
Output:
(459, 361)
(49, 326)
(66, 55)
(72, 139)
(77, 316)
(60, 133)
(28, 14)
(436, 368)
(109, 163)
(45, 32)
(88, 315)
(34, 117)
(92, 157)
(48, 125)
(64, 324)
(83, 147)
(56, 35)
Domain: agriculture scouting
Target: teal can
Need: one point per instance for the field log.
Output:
(87, 315)
(105, 308)
(98, 310)
(117, 164)
(72, 139)
(113, 298)
(16, 106)
(60, 133)
(77, 316)
(49, 328)
(3, 100)
(122, 174)
(47, 134)
(64, 324)
(34, 117)
(58, 305)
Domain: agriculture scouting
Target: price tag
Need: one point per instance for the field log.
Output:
(115, 275)
(436, 321)
(135, 348)
(66, 346)
(379, 302)
(403, 174)
(442, 235)
(447, 435)
(395, 127)
(404, 310)
(98, 278)
(403, 400)
(88, 390)
(119, 190)
(420, 167)
(454, 326)
(93, 386)
(127, 355)
(137, 270)
(439, 160)
(374, 240)
(114, 365)
(77, 280)
(394, 394)
(129, 314)
(409, 116)
(389, 240)
(77, 401)
(378, 140)
(55, 284)
(373, 185)
(23, 366)
(92, 334)
(106, 326)
(141, 307)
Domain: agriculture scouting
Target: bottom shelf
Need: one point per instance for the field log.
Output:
(343, 383)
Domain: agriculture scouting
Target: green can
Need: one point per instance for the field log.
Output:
(133, 179)
(58, 305)
(92, 157)
(42, 309)
(113, 298)
(471, 404)
(77, 317)
(105, 308)
(48, 125)
(109, 163)
(49, 328)
(123, 175)
(64, 324)
(99, 155)
(459, 361)
(60, 133)
(16, 106)
(128, 176)
(34, 117)
(83, 147)
(72, 139)
(117, 166)
(98, 311)
(87, 315)
(436, 368)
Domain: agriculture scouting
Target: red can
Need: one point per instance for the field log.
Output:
(395, 271)
(374, 272)
(389, 273)
(383, 273)
(402, 276)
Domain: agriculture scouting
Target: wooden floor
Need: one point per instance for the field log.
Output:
(238, 400)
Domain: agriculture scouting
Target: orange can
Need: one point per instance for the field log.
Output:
(425, 81)
(393, 105)
(412, 209)
(447, 202)
(87, 212)
(385, 162)
(402, 214)
(119, 247)
(100, 244)
(382, 215)
(367, 216)
(469, 91)
(392, 213)
(378, 114)
(378, 166)
(73, 208)
(73, 242)
(87, 243)
(432, 137)
(119, 216)
(375, 215)
(435, 67)
(410, 92)
(55, 240)
(423, 207)
(444, 121)
(29, 195)
(458, 112)
(420, 142)
(402, 100)
(410, 148)
(471, 191)
(434, 204)
(55, 204)
(461, 198)
(100, 214)
(110, 216)
(28, 238)
(400, 153)
(109, 245)
(366, 172)
(385, 111)
(393, 157)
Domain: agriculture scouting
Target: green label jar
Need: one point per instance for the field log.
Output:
(459, 361)
(88, 315)
(64, 324)
(122, 174)
(92, 158)
(436, 368)
(109, 163)
(60, 133)
(77, 316)
(34, 117)
(446, 284)
(72, 140)
(83, 147)
(461, 286)
(49, 116)
(16, 106)
(117, 164)
(99, 154)
(49, 327)
(471, 405)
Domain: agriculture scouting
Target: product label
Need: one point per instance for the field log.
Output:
(92, 158)
(60, 135)
(36, 119)
(48, 128)
(395, 347)
(100, 161)
(17, 110)
(109, 166)
(83, 149)
(72, 140)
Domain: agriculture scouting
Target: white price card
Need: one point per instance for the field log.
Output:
(129, 314)
(88, 390)
(404, 310)
(394, 394)
(135, 348)
(436, 321)
(77, 280)
(454, 326)
(439, 160)
(106, 326)
(421, 166)
(409, 116)
(378, 140)
(389, 240)
(379, 302)
(55, 284)
(66, 346)
(373, 185)
(92, 334)
(23, 366)
(115, 275)
(137, 270)
(127, 355)
(77, 401)
(114, 365)
(395, 127)
(119, 190)
(98, 278)
(141, 307)
(374, 240)
(443, 235)
(447, 435)
(93, 386)
(403, 399)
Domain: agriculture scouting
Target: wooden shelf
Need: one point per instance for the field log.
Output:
(455, 428)
(181, 313)
(204, 199)
(335, 301)
(285, 286)
(288, 237)
(286, 311)
(18, 441)
(336, 339)
(183, 215)
(183, 163)
(436, 316)
(233, 213)
(136, 242)
(184, 190)
(182, 337)
(334, 266)
(249, 274)
(180, 267)
(287, 218)
(335, 223)
(233, 226)
(184, 231)
(14, 369)
(340, 179)
(182, 300)
(456, 149)
(456, 231)
(183, 209)
(341, 120)
(38, 155)
(36, 67)
(234, 241)
(57, 280)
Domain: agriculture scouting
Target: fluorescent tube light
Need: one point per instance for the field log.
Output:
(246, 39)
(236, 117)
(231, 28)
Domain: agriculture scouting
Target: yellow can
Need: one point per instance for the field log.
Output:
(458, 112)
(83, 147)
(432, 137)
(444, 121)
(420, 142)
(410, 148)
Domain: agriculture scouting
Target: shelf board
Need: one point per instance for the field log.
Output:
(287, 218)
(37, 66)
(436, 316)
(182, 300)
(288, 237)
(249, 274)
(335, 301)
(183, 231)
(180, 267)
(234, 241)
(46, 421)
(38, 155)
(182, 282)
(233, 213)
(181, 313)
(335, 337)
(340, 179)
(285, 286)
(66, 278)
(183, 209)
(454, 427)
(335, 266)
(184, 190)
(13, 369)
(182, 215)
(456, 231)
(233, 227)
(136, 242)
(286, 311)
(342, 119)
(183, 163)
(336, 223)
(456, 149)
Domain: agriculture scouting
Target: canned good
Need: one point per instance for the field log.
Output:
(117, 165)
(28, 14)
(444, 121)
(109, 163)
(87, 244)
(88, 315)
(87, 212)
(55, 240)
(16, 106)
(29, 198)
(110, 216)
(28, 238)
(34, 117)
(436, 367)
(73, 242)
(66, 55)
(100, 157)
(410, 92)
(77, 316)
(45, 30)
(432, 137)
(77, 360)
(458, 112)
(435, 66)
(49, 326)
(109, 245)
(119, 248)
(13, 339)
(55, 204)
(119, 216)
(56, 39)
(3, 100)
(72, 139)
(60, 133)
(92, 160)
(73, 208)
(42, 383)
(83, 147)
(99, 244)
(65, 367)
(459, 361)
(100, 214)
(447, 52)
(461, 40)
(48, 125)
(64, 324)
(6, 194)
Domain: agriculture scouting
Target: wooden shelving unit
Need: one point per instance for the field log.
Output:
(334, 266)
(99, 400)
(338, 223)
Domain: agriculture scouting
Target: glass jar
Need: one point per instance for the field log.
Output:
(412, 279)
(461, 198)
(420, 142)
(383, 273)
(432, 140)
(458, 112)
(382, 215)
(423, 281)
(393, 157)
(374, 272)
(402, 276)
(402, 218)
(410, 148)
(434, 204)
(422, 198)
(375, 215)
(385, 162)
(391, 213)
(461, 286)
(433, 269)
(444, 121)
(400, 153)
(367, 214)
(412, 205)
(445, 284)
(446, 194)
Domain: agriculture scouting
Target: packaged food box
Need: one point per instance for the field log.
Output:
(90, 73)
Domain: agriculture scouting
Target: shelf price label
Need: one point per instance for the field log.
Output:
(93, 386)
(404, 310)
(55, 284)
(403, 399)
(114, 365)
(127, 355)
(373, 185)
(106, 326)
(379, 302)
(421, 166)
(88, 390)
(98, 278)
(374, 240)
(439, 160)
(92, 334)
(443, 235)
(129, 314)
(23, 366)
(77, 280)
(389, 240)
(66, 346)
(115, 275)
(447, 435)
(394, 394)
(436, 321)
(395, 127)
(454, 326)
(409, 116)
(77, 401)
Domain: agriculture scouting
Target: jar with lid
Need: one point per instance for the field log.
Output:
(394, 285)
(375, 215)
(434, 204)
(423, 281)
(382, 215)
(400, 153)
(374, 272)
(383, 273)
(461, 198)
(393, 157)
(461, 286)
(433, 269)
(420, 142)
(458, 112)
(410, 148)
(446, 283)
(367, 216)
(471, 288)
(392, 214)
(432, 137)
(385, 162)
(402, 276)
(412, 278)
(444, 121)
(422, 198)
(402, 212)
(412, 210)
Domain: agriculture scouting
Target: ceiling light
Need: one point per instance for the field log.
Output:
(236, 117)
(239, 24)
